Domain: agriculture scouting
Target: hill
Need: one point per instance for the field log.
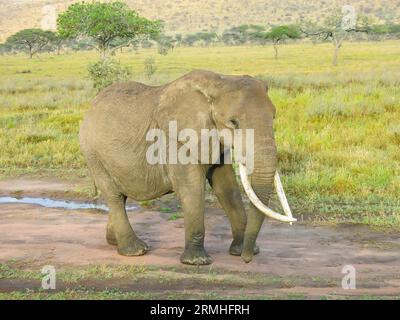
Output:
(184, 16)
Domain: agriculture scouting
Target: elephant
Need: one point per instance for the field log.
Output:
(113, 142)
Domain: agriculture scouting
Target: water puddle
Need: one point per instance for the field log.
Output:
(61, 204)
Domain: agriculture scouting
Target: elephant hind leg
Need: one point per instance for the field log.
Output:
(119, 229)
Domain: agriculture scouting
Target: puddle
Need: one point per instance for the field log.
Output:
(62, 204)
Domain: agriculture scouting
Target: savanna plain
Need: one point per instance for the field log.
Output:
(338, 137)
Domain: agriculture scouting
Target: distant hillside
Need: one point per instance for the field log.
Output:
(184, 16)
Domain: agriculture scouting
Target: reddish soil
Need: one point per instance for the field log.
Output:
(40, 236)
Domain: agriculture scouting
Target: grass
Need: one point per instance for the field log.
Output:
(114, 294)
(156, 282)
(337, 128)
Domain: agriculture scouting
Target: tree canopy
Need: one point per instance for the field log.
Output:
(277, 35)
(242, 34)
(30, 40)
(284, 32)
(106, 24)
(335, 29)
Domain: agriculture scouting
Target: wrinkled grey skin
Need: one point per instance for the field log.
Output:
(112, 139)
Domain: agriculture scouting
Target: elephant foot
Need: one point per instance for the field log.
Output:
(134, 248)
(236, 248)
(196, 256)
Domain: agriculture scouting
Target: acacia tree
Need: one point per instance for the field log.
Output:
(241, 34)
(165, 44)
(383, 31)
(278, 35)
(107, 24)
(335, 30)
(30, 40)
(5, 48)
(59, 41)
(206, 38)
(190, 40)
(178, 39)
(281, 33)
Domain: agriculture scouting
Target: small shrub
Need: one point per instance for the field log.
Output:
(149, 67)
(106, 72)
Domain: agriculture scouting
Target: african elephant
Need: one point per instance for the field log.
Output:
(112, 139)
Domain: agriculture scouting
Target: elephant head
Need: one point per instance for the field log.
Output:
(241, 102)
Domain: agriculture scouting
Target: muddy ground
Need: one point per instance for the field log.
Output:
(302, 260)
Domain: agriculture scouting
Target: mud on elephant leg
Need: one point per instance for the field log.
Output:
(222, 180)
(119, 230)
(190, 187)
(194, 253)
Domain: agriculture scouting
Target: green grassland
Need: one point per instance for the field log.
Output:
(337, 128)
(111, 282)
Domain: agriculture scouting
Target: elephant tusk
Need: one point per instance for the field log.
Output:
(282, 196)
(257, 202)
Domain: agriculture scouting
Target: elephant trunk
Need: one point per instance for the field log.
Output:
(259, 191)
(262, 183)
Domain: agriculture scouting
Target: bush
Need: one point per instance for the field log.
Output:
(106, 72)
(149, 67)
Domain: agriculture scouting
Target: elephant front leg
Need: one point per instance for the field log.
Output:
(190, 186)
(223, 181)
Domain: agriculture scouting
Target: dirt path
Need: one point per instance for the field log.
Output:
(39, 236)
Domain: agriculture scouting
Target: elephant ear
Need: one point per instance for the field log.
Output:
(188, 102)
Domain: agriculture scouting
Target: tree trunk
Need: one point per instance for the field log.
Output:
(103, 51)
(276, 51)
(335, 55)
(337, 43)
(30, 51)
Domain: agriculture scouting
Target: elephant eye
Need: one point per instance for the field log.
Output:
(233, 123)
